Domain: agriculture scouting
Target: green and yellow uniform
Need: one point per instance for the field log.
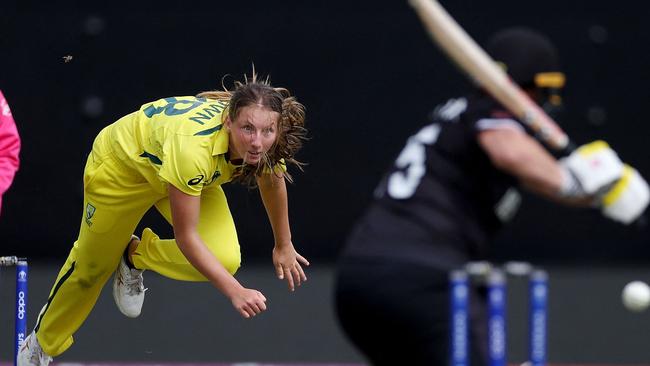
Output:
(177, 141)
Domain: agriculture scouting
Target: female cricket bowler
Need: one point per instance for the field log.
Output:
(174, 154)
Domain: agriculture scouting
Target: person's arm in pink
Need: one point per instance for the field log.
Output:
(9, 147)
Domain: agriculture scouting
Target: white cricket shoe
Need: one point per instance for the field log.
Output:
(128, 289)
(31, 353)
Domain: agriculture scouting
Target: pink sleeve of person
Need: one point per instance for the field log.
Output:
(9, 147)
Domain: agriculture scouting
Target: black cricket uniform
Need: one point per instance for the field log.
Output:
(437, 208)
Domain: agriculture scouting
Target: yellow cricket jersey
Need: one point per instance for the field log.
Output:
(178, 141)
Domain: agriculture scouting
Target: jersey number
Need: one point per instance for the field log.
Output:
(170, 108)
(410, 162)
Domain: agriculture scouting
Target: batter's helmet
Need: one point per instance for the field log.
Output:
(529, 57)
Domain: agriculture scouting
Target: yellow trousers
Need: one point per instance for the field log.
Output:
(116, 198)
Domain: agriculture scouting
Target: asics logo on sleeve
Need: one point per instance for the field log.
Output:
(200, 178)
(216, 175)
(196, 180)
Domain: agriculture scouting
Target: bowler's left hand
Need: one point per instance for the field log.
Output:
(288, 265)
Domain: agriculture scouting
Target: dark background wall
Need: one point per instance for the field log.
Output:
(366, 71)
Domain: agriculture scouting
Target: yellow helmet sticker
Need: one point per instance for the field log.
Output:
(550, 80)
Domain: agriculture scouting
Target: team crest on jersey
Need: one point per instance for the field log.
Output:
(90, 211)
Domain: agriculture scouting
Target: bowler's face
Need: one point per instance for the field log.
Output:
(252, 133)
